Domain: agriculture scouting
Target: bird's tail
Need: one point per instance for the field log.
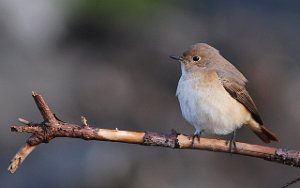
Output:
(262, 132)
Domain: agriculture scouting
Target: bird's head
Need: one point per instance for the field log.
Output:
(197, 57)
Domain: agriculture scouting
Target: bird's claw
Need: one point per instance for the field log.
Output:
(197, 136)
(232, 143)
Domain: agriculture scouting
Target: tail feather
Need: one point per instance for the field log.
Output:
(262, 132)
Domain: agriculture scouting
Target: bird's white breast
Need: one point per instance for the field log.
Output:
(206, 104)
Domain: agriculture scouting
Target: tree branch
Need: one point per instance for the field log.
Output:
(52, 127)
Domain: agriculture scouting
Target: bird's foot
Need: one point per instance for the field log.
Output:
(232, 143)
(197, 136)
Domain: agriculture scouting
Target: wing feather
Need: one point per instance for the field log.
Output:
(238, 91)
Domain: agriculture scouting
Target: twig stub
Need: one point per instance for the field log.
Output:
(47, 114)
(84, 122)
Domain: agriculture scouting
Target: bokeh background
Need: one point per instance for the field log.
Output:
(108, 60)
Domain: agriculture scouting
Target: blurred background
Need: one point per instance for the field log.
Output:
(108, 61)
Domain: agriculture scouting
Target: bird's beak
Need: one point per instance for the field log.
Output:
(176, 57)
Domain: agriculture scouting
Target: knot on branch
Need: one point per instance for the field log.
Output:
(159, 139)
(289, 157)
(45, 134)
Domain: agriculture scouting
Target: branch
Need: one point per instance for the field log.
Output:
(52, 127)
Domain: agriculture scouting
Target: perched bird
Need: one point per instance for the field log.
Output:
(213, 97)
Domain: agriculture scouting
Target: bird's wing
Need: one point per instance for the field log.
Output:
(238, 91)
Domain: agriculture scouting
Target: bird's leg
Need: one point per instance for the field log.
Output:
(196, 135)
(231, 142)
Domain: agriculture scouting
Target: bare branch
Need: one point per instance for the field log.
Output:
(18, 159)
(53, 127)
(24, 121)
(44, 108)
(291, 182)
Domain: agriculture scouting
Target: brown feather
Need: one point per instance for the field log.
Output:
(238, 92)
(261, 131)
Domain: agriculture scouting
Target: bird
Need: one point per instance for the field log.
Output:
(213, 97)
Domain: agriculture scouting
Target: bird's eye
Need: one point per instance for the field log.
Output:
(196, 58)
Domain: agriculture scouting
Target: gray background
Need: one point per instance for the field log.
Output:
(108, 60)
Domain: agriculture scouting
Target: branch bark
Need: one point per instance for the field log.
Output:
(52, 127)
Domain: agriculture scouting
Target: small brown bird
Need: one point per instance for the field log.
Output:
(213, 97)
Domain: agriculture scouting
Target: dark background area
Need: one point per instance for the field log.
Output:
(108, 61)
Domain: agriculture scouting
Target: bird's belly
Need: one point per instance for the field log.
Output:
(209, 107)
